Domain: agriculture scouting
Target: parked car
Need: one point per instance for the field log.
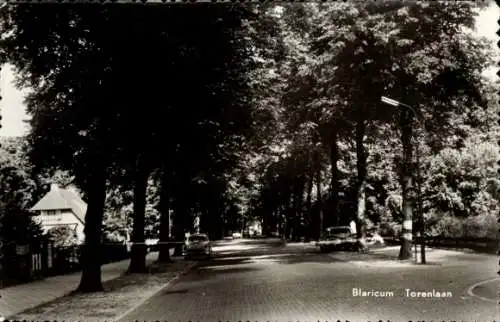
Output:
(337, 238)
(197, 245)
(236, 235)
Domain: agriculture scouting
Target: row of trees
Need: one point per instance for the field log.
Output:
(266, 111)
(343, 142)
(119, 94)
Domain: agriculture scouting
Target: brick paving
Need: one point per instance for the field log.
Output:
(292, 284)
(21, 297)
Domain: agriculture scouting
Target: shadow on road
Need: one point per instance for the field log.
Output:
(233, 270)
(251, 253)
(228, 261)
(181, 291)
(271, 253)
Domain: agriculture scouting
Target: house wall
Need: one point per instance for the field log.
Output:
(255, 227)
(49, 220)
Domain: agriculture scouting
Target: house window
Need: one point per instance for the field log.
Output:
(52, 212)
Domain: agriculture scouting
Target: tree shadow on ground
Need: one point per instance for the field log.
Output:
(279, 258)
(229, 261)
(275, 251)
(169, 291)
(234, 270)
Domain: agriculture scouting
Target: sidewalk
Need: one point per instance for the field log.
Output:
(388, 256)
(22, 297)
(120, 297)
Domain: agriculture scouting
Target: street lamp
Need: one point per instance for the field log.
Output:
(395, 103)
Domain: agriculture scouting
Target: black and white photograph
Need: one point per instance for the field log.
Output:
(249, 161)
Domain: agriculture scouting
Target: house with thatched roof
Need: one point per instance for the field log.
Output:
(61, 207)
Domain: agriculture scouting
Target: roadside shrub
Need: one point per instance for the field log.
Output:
(63, 236)
(449, 226)
(390, 229)
(368, 224)
(481, 226)
(432, 227)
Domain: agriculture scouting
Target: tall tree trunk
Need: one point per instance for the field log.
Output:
(92, 249)
(205, 220)
(164, 249)
(310, 184)
(284, 220)
(299, 199)
(334, 184)
(279, 222)
(407, 184)
(361, 180)
(180, 214)
(223, 220)
(293, 212)
(290, 212)
(139, 249)
(319, 200)
(266, 218)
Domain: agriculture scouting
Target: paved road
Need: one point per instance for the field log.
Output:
(265, 281)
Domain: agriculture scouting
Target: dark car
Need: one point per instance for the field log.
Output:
(197, 245)
(337, 238)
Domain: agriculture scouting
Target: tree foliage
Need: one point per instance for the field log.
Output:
(341, 58)
(63, 236)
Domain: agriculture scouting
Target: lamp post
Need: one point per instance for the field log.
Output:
(395, 103)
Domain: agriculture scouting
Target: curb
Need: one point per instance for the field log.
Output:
(470, 290)
(146, 298)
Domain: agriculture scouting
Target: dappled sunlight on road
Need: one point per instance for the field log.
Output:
(304, 244)
(253, 258)
(232, 258)
(224, 262)
(233, 247)
(269, 256)
(220, 268)
(275, 258)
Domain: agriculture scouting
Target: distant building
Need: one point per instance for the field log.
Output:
(254, 227)
(61, 207)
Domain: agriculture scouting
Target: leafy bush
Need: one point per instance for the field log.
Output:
(449, 226)
(63, 236)
(390, 229)
(482, 226)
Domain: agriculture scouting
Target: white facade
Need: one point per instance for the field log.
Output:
(52, 218)
(61, 207)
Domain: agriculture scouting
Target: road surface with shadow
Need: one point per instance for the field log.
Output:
(264, 280)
